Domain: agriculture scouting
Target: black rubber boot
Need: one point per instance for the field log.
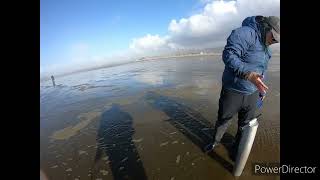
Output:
(233, 155)
(234, 149)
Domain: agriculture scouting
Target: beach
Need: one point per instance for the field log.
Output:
(148, 120)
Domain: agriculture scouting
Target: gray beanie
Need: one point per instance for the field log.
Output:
(274, 22)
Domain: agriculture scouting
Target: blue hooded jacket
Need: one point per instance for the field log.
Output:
(244, 52)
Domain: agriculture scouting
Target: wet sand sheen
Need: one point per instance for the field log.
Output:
(156, 131)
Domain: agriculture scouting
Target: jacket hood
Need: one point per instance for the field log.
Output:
(251, 22)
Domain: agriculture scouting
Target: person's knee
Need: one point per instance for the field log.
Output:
(245, 118)
(224, 119)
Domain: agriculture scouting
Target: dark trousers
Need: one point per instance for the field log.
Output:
(230, 103)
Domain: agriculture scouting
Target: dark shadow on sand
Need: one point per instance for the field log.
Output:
(192, 124)
(115, 140)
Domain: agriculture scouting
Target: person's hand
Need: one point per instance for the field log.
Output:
(256, 79)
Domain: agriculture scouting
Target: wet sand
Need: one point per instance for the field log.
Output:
(148, 120)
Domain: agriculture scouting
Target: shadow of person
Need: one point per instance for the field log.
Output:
(115, 140)
(192, 124)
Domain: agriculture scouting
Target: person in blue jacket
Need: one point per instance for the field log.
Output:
(246, 56)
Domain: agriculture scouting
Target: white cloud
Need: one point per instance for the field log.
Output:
(148, 43)
(212, 26)
(208, 28)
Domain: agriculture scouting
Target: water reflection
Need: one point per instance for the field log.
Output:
(192, 124)
(151, 78)
(189, 79)
(115, 140)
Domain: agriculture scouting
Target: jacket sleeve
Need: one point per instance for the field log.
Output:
(238, 43)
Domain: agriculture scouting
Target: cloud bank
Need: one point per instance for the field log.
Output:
(209, 28)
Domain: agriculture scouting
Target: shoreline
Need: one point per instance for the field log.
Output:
(143, 59)
(185, 55)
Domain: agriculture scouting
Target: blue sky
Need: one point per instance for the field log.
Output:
(105, 26)
(82, 33)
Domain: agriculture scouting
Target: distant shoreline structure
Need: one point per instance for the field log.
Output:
(142, 59)
(184, 55)
(177, 56)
